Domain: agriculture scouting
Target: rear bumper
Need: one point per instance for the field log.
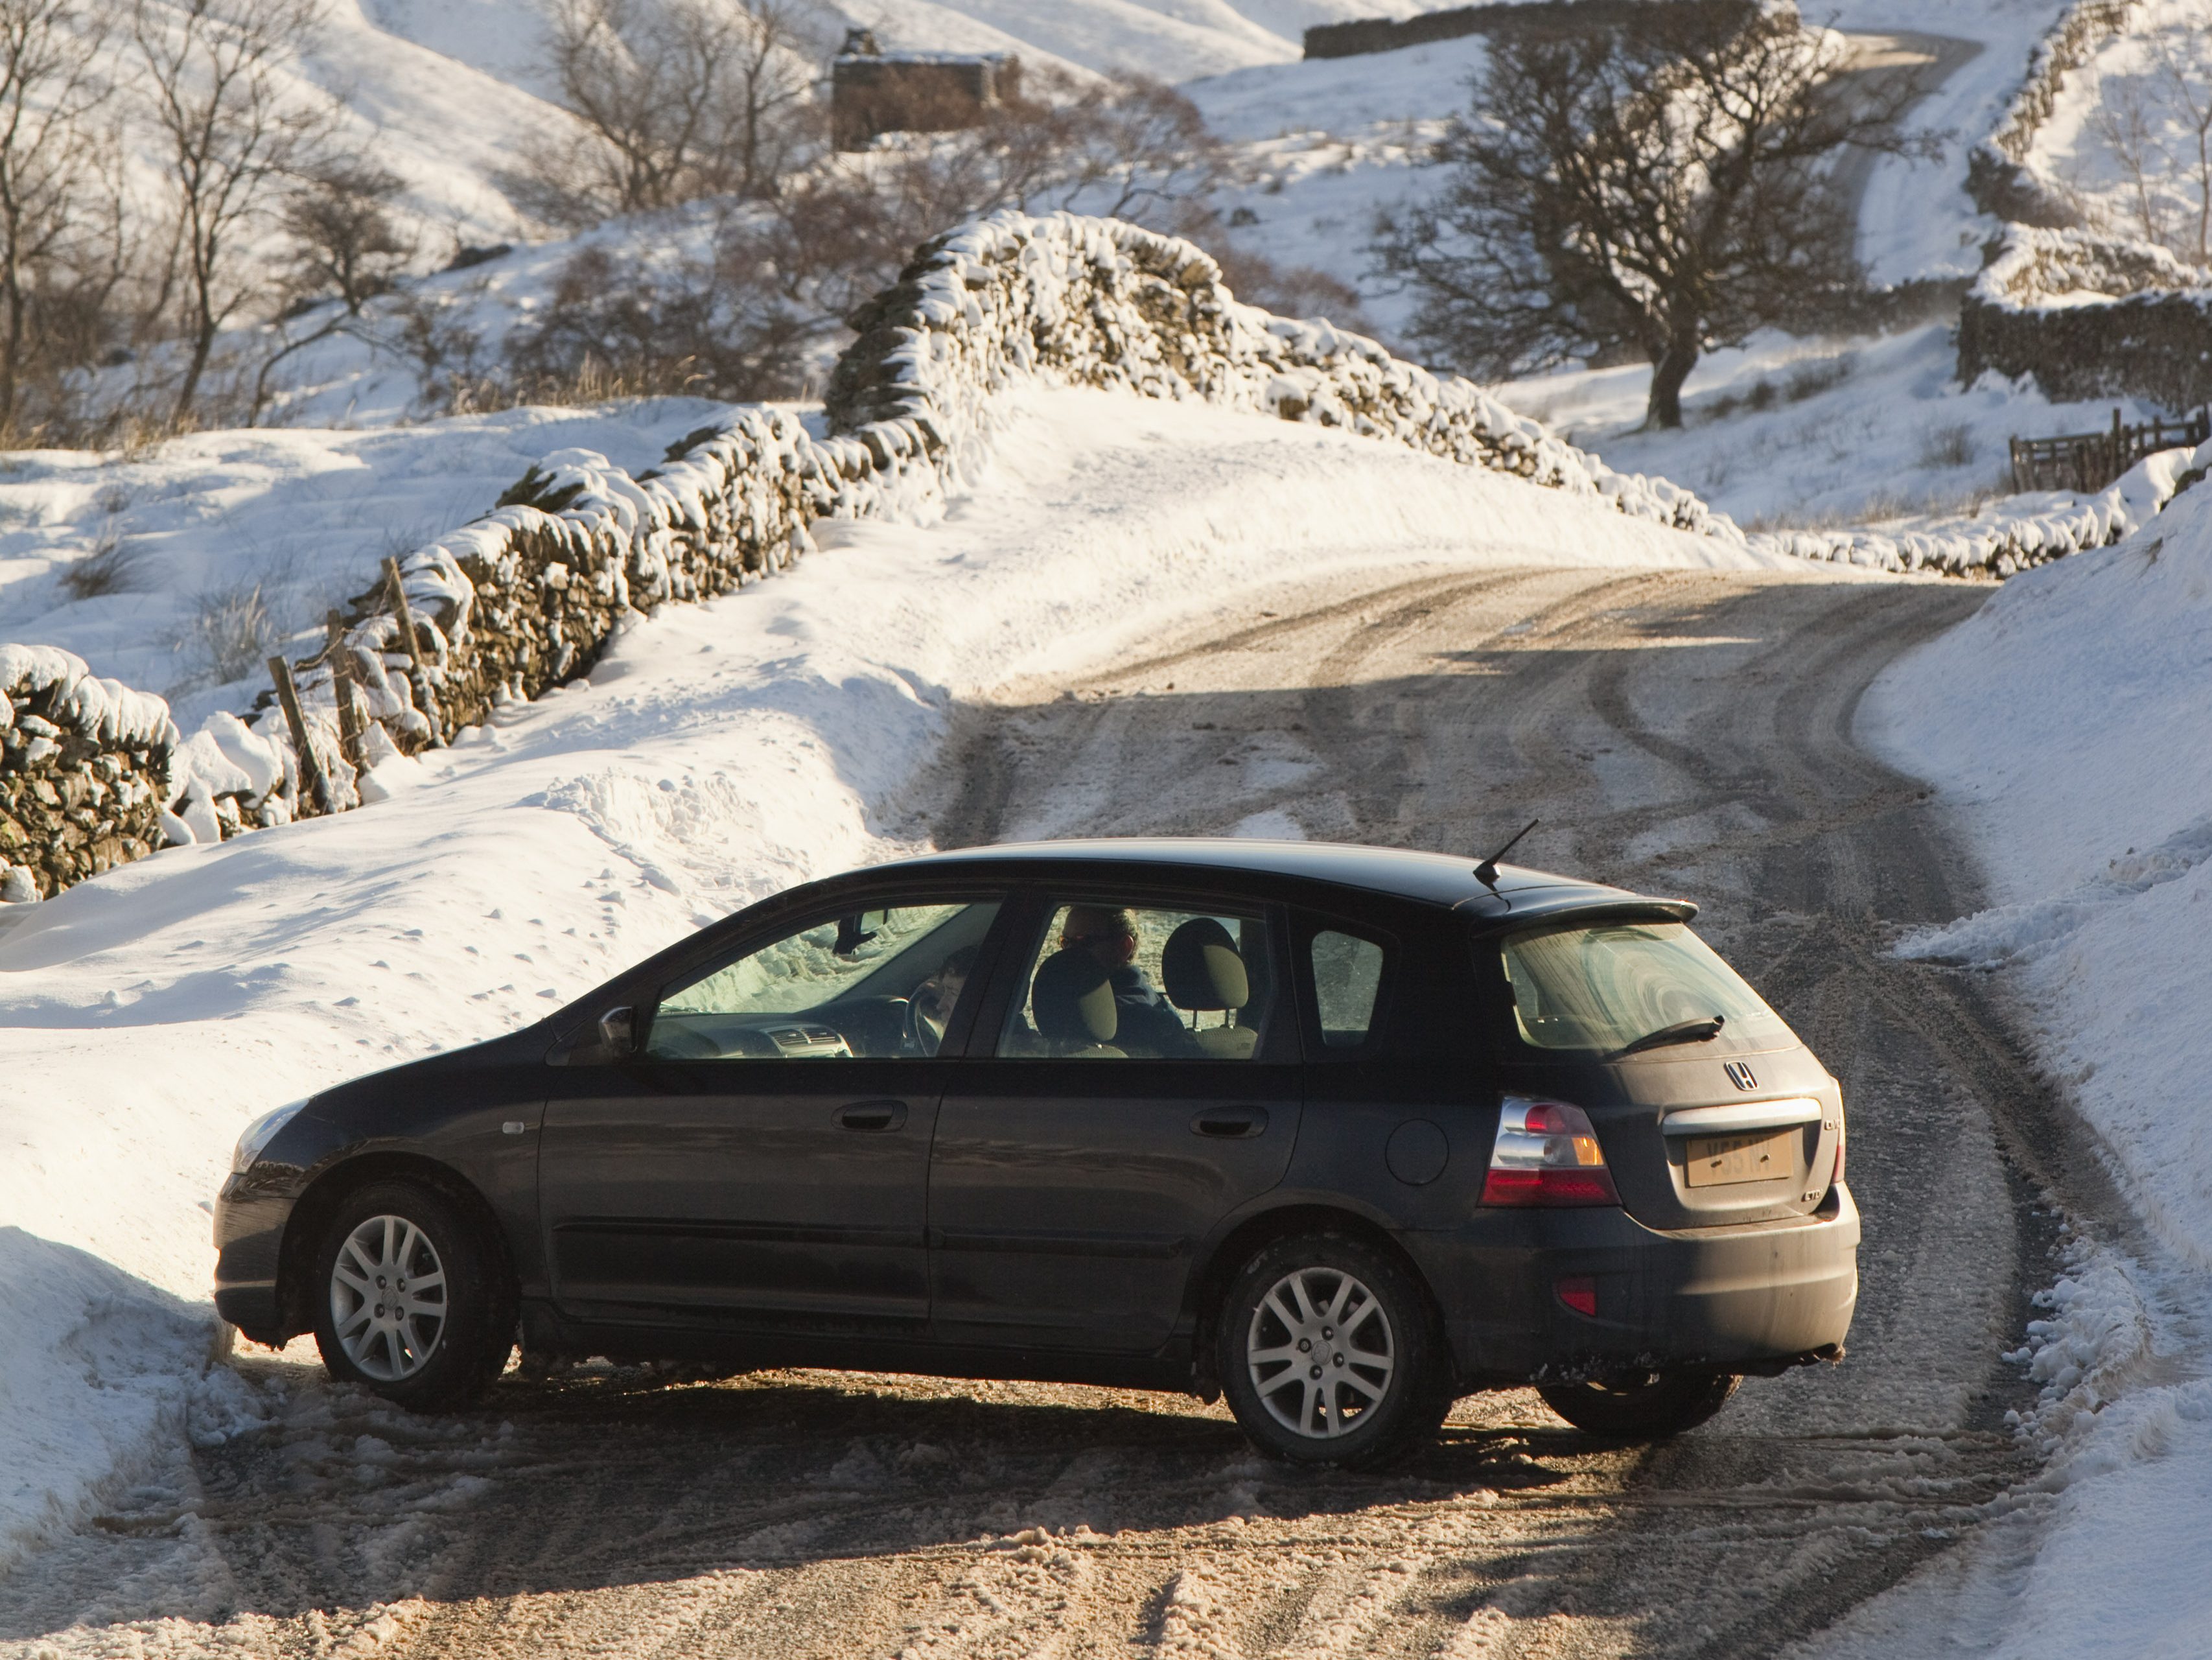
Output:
(1741, 1298)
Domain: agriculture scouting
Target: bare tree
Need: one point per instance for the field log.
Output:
(1662, 185)
(50, 94)
(339, 223)
(1139, 147)
(2184, 63)
(677, 99)
(232, 133)
(2126, 117)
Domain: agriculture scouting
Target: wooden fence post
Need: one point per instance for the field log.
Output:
(415, 651)
(339, 656)
(311, 770)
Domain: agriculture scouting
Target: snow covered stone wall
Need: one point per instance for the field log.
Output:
(1097, 302)
(2012, 539)
(2001, 173)
(85, 767)
(2089, 317)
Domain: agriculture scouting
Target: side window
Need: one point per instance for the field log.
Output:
(1347, 974)
(863, 985)
(1110, 981)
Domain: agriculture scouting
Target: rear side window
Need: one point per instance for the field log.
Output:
(1608, 985)
(1347, 976)
(1113, 981)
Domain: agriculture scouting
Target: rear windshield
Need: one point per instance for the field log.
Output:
(1604, 987)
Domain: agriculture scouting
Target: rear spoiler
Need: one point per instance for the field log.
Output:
(1568, 904)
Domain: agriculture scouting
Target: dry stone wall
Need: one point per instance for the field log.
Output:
(85, 769)
(2091, 317)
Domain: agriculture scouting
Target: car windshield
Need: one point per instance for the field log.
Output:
(1608, 985)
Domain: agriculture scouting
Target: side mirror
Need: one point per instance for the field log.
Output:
(615, 1038)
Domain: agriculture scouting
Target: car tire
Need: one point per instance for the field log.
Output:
(411, 1299)
(1648, 1407)
(1372, 1381)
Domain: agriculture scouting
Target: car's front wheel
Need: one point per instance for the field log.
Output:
(411, 1302)
(1642, 1406)
(1329, 1354)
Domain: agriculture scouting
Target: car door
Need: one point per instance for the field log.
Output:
(762, 1159)
(1119, 1117)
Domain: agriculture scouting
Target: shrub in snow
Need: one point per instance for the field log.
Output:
(85, 767)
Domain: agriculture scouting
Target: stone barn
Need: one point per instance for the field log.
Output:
(872, 92)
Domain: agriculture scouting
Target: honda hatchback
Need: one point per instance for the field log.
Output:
(1341, 1133)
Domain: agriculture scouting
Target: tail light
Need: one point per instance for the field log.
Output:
(1835, 1179)
(1547, 1153)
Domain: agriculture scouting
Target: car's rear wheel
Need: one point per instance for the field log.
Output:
(1328, 1352)
(410, 1299)
(1641, 1406)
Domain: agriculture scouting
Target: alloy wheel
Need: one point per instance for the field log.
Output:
(388, 1297)
(1321, 1351)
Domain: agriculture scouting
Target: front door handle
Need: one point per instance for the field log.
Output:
(1230, 1123)
(873, 1116)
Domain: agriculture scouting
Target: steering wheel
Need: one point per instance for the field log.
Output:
(923, 1033)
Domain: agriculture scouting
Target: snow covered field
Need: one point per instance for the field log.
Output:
(718, 753)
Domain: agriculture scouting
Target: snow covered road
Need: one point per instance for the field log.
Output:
(1685, 730)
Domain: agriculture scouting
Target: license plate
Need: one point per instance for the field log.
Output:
(1715, 1161)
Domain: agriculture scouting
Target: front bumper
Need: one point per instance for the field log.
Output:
(249, 1214)
(1748, 1299)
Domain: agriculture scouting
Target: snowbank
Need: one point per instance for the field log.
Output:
(714, 754)
(2067, 721)
(2094, 812)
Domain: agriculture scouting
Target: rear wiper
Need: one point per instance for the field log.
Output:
(1682, 1032)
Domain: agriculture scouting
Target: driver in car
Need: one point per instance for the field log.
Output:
(1149, 1027)
(935, 998)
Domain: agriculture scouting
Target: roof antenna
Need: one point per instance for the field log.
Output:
(1486, 871)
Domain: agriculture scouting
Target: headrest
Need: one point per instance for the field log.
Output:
(1073, 1000)
(1202, 968)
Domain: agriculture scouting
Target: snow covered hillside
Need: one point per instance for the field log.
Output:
(2121, 141)
(2078, 768)
(1172, 39)
(717, 753)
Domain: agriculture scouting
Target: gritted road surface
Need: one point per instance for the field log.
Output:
(1684, 733)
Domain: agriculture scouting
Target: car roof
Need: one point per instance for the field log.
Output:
(1445, 880)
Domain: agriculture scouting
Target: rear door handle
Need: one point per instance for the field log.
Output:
(1230, 1123)
(873, 1116)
